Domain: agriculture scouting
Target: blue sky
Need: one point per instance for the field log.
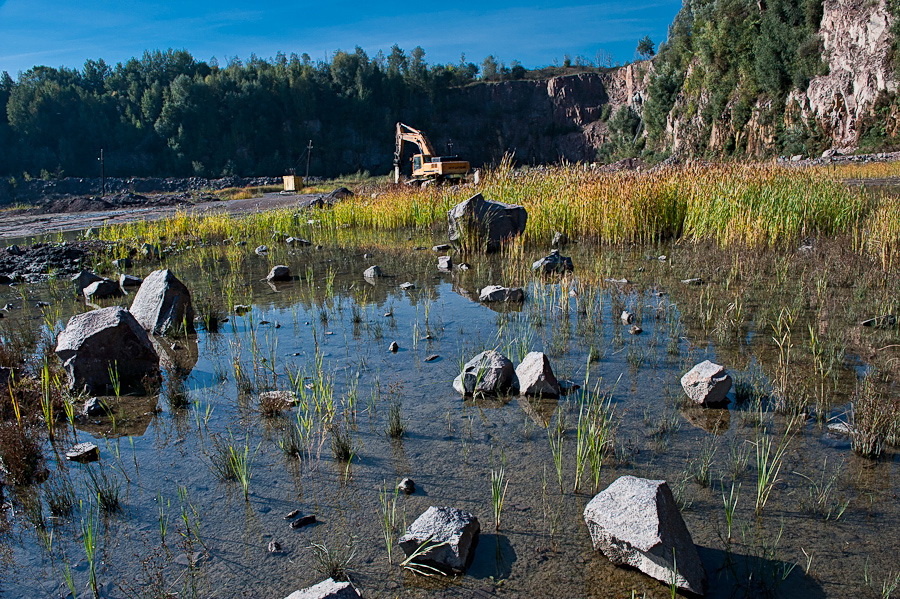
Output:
(66, 33)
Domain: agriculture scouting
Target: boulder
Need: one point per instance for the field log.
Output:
(553, 262)
(536, 377)
(451, 534)
(627, 317)
(496, 293)
(707, 384)
(489, 372)
(327, 589)
(83, 453)
(102, 289)
(83, 279)
(163, 304)
(479, 221)
(95, 342)
(279, 273)
(373, 272)
(636, 522)
(130, 281)
(445, 263)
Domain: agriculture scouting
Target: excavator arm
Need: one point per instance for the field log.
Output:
(407, 133)
(426, 165)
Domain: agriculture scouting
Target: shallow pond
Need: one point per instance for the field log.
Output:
(184, 531)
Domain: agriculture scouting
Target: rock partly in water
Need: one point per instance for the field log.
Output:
(297, 242)
(407, 286)
(83, 452)
(553, 262)
(102, 289)
(83, 279)
(150, 251)
(373, 272)
(94, 407)
(407, 486)
(881, 322)
(496, 293)
(636, 522)
(279, 273)
(261, 250)
(559, 239)
(707, 384)
(163, 304)
(489, 373)
(110, 339)
(536, 376)
(126, 281)
(451, 535)
(393, 347)
(327, 589)
(445, 263)
(627, 317)
(484, 223)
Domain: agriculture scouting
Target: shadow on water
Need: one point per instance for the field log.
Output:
(494, 558)
(731, 575)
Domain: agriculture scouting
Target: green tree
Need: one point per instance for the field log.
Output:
(646, 48)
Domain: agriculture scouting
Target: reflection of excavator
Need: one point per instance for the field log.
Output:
(425, 165)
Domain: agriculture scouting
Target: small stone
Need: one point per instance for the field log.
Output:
(536, 376)
(463, 266)
(407, 486)
(490, 373)
(130, 281)
(707, 384)
(240, 309)
(432, 358)
(303, 521)
(279, 273)
(150, 251)
(445, 263)
(123, 263)
(694, 281)
(443, 247)
(274, 547)
(393, 347)
(496, 293)
(662, 258)
(559, 239)
(292, 514)
(296, 241)
(94, 407)
(14, 250)
(373, 272)
(617, 281)
(263, 249)
(627, 317)
(554, 262)
(327, 589)
(451, 534)
(83, 452)
(635, 330)
(407, 286)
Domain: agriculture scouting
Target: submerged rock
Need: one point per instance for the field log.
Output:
(489, 372)
(451, 534)
(327, 589)
(478, 221)
(536, 376)
(163, 304)
(636, 522)
(109, 339)
(496, 293)
(707, 384)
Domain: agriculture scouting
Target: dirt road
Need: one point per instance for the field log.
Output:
(33, 225)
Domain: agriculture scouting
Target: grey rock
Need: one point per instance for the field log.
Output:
(490, 372)
(636, 522)
(297, 242)
(14, 250)
(260, 250)
(492, 222)
(559, 239)
(496, 293)
(393, 347)
(94, 407)
(83, 279)
(451, 533)
(126, 281)
(553, 262)
(617, 281)
(445, 263)
(627, 317)
(83, 452)
(694, 281)
(123, 263)
(881, 322)
(327, 589)
(274, 547)
(463, 266)
(707, 384)
(407, 286)
(242, 309)
(536, 376)
(443, 247)
(102, 289)
(150, 251)
(635, 330)
(163, 304)
(279, 273)
(95, 342)
(407, 486)
(288, 398)
(373, 272)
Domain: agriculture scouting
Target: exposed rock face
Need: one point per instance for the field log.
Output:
(480, 222)
(496, 293)
(452, 534)
(707, 384)
(489, 372)
(636, 522)
(327, 589)
(163, 304)
(95, 342)
(279, 273)
(536, 376)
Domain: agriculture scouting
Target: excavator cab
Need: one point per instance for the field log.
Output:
(425, 165)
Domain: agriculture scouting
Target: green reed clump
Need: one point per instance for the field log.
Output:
(870, 423)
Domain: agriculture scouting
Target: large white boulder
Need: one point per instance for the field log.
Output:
(636, 522)
(489, 372)
(162, 304)
(536, 376)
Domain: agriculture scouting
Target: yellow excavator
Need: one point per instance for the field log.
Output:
(425, 165)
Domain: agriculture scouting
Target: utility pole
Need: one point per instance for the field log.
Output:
(309, 148)
(102, 174)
